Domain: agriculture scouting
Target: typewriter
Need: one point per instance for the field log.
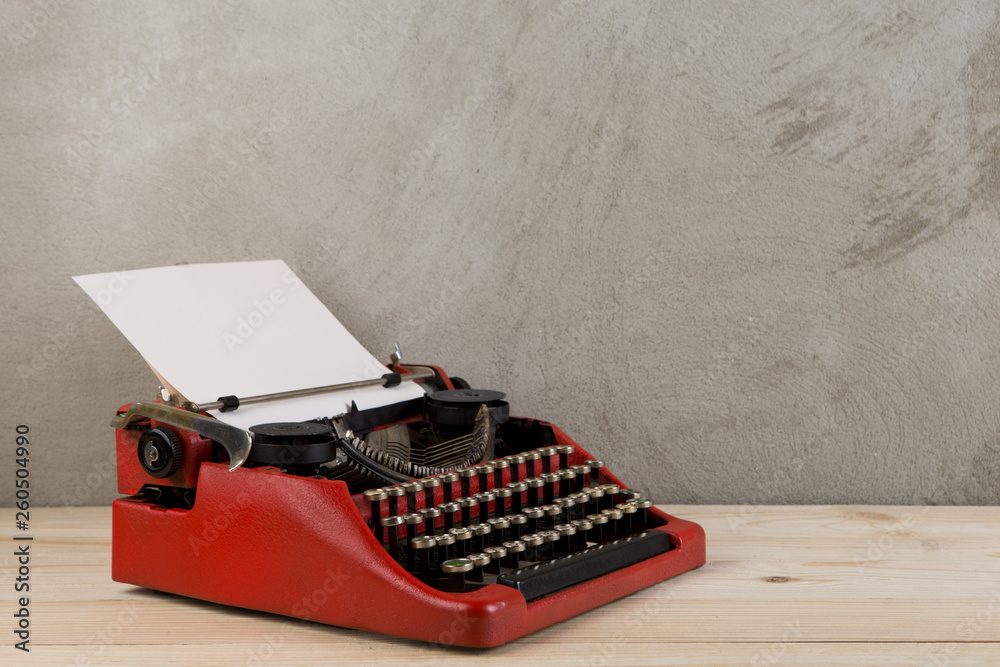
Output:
(442, 518)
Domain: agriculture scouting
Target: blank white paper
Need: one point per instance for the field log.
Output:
(243, 329)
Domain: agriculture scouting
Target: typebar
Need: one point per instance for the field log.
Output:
(548, 577)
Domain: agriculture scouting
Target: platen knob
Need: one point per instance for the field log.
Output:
(159, 452)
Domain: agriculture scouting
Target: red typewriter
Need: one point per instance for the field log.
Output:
(441, 518)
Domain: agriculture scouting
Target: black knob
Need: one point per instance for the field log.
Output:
(292, 444)
(159, 452)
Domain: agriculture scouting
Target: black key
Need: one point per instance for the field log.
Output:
(555, 575)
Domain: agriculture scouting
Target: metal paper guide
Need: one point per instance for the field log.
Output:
(242, 329)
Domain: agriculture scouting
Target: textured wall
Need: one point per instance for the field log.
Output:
(746, 252)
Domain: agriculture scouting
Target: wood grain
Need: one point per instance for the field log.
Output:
(823, 585)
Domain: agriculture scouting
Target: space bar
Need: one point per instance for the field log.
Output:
(554, 575)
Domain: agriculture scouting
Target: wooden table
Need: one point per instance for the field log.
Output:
(809, 585)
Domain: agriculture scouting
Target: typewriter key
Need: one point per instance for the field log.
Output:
(498, 467)
(583, 528)
(598, 520)
(595, 470)
(531, 544)
(422, 546)
(534, 484)
(517, 526)
(564, 452)
(483, 472)
(462, 538)
(614, 516)
(445, 547)
(480, 532)
(514, 550)
(411, 521)
(430, 514)
(625, 525)
(375, 497)
(500, 506)
(581, 477)
(392, 524)
(516, 462)
(550, 479)
(465, 475)
(448, 479)
(411, 489)
(517, 490)
(455, 570)
(530, 464)
(466, 504)
(479, 561)
(579, 504)
(449, 510)
(496, 554)
(484, 499)
(643, 505)
(534, 515)
(564, 531)
(595, 493)
(565, 505)
(550, 537)
(566, 479)
(429, 485)
(499, 526)
(546, 454)
(551, 515)
(629, 495)
(610, 491)
(394, 492)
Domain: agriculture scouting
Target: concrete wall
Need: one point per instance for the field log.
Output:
(746, 252)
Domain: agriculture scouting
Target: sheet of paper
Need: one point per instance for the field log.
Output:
(243, 329)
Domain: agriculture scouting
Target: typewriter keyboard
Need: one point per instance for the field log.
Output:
(531, 521)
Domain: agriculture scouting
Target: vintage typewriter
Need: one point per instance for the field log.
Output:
(441, 518)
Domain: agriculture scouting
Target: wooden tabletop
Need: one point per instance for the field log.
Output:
(807, 585)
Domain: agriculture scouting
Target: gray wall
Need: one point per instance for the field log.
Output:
(746, 252)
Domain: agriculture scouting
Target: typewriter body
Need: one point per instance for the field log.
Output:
(441, 519)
